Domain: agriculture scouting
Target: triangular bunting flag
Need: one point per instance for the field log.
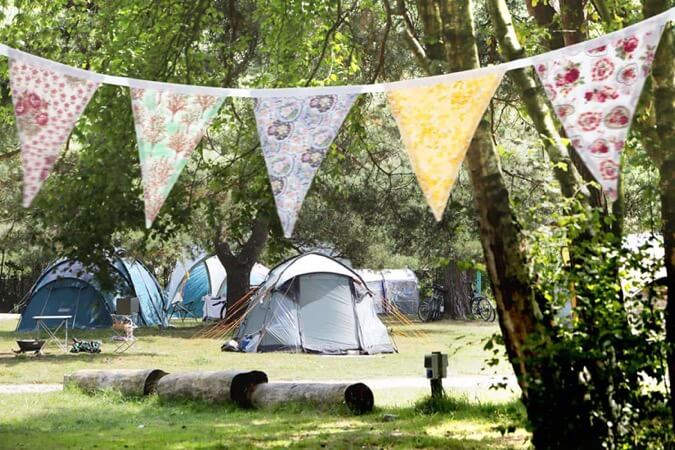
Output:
(437, 124)
(594, 93)
(295, 133)
(169, 127)
(47, 105)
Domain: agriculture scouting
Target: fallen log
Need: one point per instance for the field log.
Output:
(130, 382)
(214, 387)
(356, 396)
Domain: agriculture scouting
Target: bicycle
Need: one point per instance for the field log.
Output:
(432, 308)
(481, 307)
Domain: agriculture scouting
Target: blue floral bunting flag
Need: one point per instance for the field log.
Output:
(295, 133)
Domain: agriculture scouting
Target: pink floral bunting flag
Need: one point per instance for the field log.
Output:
(169, 127)
(594, 93)
(295, 134)
(47, 105)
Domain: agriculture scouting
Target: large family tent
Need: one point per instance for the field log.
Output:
(69, 288)
(398, 287)
(191, 280)
(316, 304)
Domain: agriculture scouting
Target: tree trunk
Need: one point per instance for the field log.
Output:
(356, 396)
(234, 386)
(459, 285)
(530, 93)
(662, 151)
(238, 266)
(554, 398)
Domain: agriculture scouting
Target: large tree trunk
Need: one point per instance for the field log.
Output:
(554, 398)
(459, 285)
(662, 151)
(238, 265)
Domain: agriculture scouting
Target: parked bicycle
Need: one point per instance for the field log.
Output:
(481, 307)
(432, 308)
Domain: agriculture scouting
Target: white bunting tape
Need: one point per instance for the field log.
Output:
(655, 22)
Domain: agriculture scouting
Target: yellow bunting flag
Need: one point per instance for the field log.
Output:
(437, 124)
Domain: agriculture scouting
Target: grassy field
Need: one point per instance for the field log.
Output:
(174, 349)
(105, 421)
(73, 420)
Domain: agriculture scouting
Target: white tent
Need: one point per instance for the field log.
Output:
(193, 279)
(398, 287)
(313, 303)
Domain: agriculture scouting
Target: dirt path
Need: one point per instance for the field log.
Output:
(462, 382)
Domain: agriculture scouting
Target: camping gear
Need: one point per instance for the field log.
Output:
(130, 382)
(69, 288)
(85, 346)
(313, 303)
(128, 306)
(397, 287)
(123, 326)
(52, 325)
(234, 386)
(356, 396)
(29, 345)
(193, 279)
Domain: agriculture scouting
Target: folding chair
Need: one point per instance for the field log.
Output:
(123, 327)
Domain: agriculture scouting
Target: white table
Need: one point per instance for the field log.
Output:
(52, 334)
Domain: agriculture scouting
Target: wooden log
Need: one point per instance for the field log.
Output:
(356, 396)
(130, 382)
(215, 387)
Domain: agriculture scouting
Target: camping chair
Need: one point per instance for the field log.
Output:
(123, 327)
(179, 309)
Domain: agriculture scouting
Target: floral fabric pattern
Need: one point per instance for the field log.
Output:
(295, 134)
(437, 124)
(47, 105)
(169, 127)
(594, 93)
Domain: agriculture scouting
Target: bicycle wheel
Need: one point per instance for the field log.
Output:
(485, 309)
(475, 306)
(425, 310)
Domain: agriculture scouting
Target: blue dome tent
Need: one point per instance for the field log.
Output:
(69, 288)
(193, 279)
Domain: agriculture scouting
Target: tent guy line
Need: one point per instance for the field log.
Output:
(656, 21)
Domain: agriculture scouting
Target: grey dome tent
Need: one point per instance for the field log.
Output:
(315, 304)
(69, 288)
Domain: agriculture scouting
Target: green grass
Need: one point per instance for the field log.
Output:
(469, 420)
(74, 420)
(174, 350)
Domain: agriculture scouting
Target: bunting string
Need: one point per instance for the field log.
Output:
(594, 87)
(654, 21)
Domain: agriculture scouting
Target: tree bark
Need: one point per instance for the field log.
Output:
(356, 396)
(530, 93)
(572, 18)
(551, 394)
(459, 292)
(238, 265)
(661, 149)
(235, 386)
(129, 382)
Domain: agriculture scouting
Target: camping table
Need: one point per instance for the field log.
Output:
(52, 333)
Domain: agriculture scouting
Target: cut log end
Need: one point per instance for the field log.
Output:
(243, 385)
(359, 398)
(152, 380)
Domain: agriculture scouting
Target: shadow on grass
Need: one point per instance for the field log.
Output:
(72, 419)
(9, 359)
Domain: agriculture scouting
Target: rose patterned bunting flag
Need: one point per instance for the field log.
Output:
(437, 124)
(295, 133)
(594, 93)
(169, 127)
(47, 105)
